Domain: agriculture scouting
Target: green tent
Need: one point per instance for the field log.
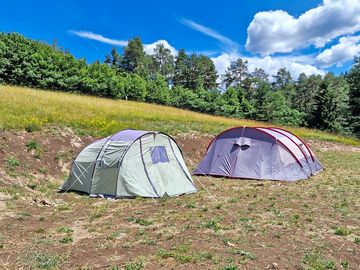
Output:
(131, 163)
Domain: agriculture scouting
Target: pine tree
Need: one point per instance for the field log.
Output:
(306, 91)
(236, 74)
(331, 104)
(353, 78)
(134, 58)
(164, 62)
(182, 69)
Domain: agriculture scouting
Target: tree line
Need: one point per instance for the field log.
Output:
(191, 82)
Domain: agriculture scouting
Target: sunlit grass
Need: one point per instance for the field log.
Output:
(30, 109)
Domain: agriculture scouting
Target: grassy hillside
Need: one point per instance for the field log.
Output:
(30, 109)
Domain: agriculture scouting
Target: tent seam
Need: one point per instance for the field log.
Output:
(146, 171)
(172, 149)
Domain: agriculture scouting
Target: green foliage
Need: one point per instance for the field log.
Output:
(342, 231)
(357, 240)
(32, 145)
(331, 104)
(140, 221)
(66, 240)
(316, 261)
(158, 90)
(134, 58)
(194, 72)
(229, 267)
(163, 62)
(12, 162)
(307, 89)
(189, 81)
(278, 111)
(42, 260)
(134, 87)
(353, 79)
(236, 74)
(65, 229)
(134, 265)
(214, 224)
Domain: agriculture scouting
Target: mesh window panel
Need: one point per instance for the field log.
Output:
(158, 154)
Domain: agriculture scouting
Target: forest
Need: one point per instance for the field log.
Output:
(330, 102)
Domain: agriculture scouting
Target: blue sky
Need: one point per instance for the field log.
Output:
(304, 36)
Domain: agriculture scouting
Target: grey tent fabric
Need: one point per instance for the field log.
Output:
(131, 163)
(259, 153)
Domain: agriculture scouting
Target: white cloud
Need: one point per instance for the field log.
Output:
(229, 44)
(295, 64)
(278, 31)
(98, 37)
(149, 48)
(272, 64)
(345, 50)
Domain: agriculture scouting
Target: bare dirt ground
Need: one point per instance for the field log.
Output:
(228, 224)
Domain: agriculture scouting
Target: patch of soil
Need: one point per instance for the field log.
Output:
(194, 147)
(48, 152)
(332, 146)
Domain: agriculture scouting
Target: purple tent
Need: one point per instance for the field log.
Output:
(259, 153)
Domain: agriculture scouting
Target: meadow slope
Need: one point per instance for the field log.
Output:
(26, 108)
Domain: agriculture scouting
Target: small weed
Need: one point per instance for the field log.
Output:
(64, 155)
(234, 200)
(214, 224)
(180, 258)
(126, 245)
(63, 208)
(140, 221)
(33, 125)
(42, 260)
(294, 218)
(114, 235)
(43, 170)
(32, 145)
(66, 240)
(95, 215)
(12, 163)
(21, 216)
(1, 242)
(244, 219)
(149, 242)
(345, 264)
(316, 261)
(229, 267)
(190, 205)
(40, 230)
(135, 265)
(64, 229)
(243, 253)
(357, 240)
(32, 186)
(342, 231)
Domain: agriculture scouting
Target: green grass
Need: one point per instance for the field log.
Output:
(42, 260)
(30, 109)
(342, 231)
(12, 162)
